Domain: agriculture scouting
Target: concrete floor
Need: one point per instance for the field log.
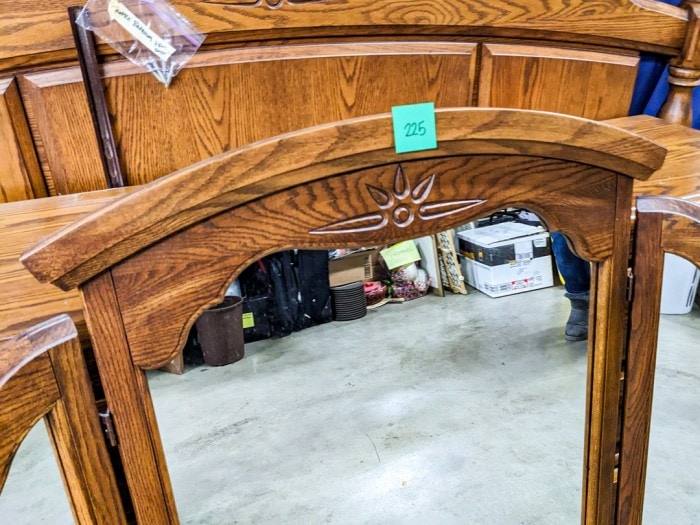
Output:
(463, 409)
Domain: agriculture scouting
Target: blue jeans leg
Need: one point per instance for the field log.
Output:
(575, 271)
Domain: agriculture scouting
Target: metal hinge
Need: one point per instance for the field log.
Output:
(108, 427)
(630, 285)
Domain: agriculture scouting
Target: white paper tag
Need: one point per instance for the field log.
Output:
(140, 31)
(523, 250)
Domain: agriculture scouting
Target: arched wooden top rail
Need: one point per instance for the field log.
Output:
(680, 224)
(33, 32)
(168, 205)
(16, 356)
(688, 207)
(18, 351)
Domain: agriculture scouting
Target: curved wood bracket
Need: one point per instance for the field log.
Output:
(173, 203)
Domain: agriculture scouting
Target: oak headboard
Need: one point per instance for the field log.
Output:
(275, 66)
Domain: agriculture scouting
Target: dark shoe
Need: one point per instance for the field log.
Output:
(577, 325)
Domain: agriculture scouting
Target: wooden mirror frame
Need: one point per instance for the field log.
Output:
(43, 375)
(148, 264)
(664, 225)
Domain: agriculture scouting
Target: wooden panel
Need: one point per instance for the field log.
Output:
(63, 130)
(234, 98)
(680, 174)
(226, 99)
(582, 83)
(23, 300)
(20, 176)
(32, 27)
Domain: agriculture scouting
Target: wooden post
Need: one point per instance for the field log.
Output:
(684, 73)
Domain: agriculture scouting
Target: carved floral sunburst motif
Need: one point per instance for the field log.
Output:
(399, 206)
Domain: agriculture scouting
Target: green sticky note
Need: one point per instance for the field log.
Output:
(400, 254)
(248, 320)
(414, 127)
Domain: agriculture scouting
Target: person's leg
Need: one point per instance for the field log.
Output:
(577, 280)
(575, 271)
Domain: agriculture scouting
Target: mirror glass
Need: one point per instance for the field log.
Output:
(33, 492)
(673, 469)
(454, 409)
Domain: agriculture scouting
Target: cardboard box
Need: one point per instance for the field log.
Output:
(351, 268)
(506, 258)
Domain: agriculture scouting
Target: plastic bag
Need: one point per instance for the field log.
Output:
(150, 33)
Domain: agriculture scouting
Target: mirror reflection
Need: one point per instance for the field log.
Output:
(33, 492)
(673, 468)
(454, 409)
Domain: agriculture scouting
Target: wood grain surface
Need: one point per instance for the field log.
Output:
(232, 98)
(663, 225)
(158, 292)
(641, 367)
(33, 30)
(365, 208)
(343, 185)
(542, 78)
(234, 178)
(32, 393)
(679, 176)
(43, 374)
(279, 89)
(686, 239)
(607, 340)
(131, 406)
(62, 129)
(20, 349)
(20, 176)
(23, 300)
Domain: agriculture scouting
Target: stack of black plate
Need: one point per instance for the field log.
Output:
(349, 302)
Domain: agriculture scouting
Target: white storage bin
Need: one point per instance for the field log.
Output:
(680, 284)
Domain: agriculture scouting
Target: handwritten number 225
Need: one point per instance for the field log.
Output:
(415, 129)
